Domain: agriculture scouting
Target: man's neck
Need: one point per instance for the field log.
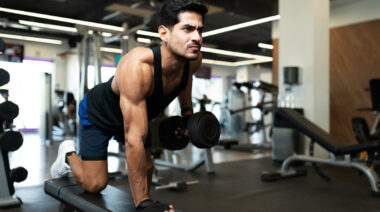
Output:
(171, 62)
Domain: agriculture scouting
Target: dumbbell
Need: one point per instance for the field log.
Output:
(8, 111)
(203, 131)
(4, 77)
(10, 141)
(176, 185)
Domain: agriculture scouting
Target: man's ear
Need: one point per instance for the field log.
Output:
(164, 33)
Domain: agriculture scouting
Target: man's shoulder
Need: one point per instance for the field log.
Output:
(141, 55)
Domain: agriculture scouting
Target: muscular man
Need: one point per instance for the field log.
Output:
(145, 82)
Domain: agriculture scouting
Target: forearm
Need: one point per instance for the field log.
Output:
(137, 169)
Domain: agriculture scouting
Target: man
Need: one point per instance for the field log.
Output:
(145, 82)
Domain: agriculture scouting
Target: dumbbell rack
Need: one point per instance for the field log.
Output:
(6, 192)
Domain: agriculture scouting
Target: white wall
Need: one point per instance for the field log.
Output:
(346, 12)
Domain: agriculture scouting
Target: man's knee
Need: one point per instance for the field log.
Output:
(94, 186)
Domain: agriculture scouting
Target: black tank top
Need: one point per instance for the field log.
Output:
(103, 105)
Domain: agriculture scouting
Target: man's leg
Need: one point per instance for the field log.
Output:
(91, 170)
(91, 175)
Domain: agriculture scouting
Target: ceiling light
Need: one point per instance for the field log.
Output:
(234, 64)
(48, 26)
(242, 25)
(234, 54)
(28, 38)
(62, 19)
(144, 40)
(217, 62)
(106, 34)
(265, 46)
(147, 33)
(111, 50)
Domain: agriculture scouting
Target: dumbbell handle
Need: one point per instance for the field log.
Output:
(180, 133)
(174, 184)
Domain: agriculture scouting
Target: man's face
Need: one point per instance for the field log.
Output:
(185, 38)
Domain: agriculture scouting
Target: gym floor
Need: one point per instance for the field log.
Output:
(235, 186)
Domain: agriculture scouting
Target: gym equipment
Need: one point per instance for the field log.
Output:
(9, 141)
(161, 183)
(236, 115)
(4, 77)
(203, 129)
(110, 199)
(8, 111)
(171, 133)
(285, 139)
(201, 118)
(341, 154)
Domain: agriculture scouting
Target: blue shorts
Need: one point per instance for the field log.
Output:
(93, 142)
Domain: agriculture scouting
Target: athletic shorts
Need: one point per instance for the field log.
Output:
(93, 142)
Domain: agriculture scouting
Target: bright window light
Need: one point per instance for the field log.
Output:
(265, 46)
(28, 38)
(242, 25)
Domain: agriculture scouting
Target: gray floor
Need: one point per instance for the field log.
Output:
(235, 186)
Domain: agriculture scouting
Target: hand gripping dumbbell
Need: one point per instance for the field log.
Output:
(203, 131)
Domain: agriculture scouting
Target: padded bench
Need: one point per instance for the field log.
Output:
(110, 199)
(334, 146)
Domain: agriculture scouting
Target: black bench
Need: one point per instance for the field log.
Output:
(110, 199)
(341, 154)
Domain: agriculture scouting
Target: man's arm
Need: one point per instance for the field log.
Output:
(134, 85)
(185, 95)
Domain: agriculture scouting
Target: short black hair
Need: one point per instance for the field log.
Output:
(171, 8)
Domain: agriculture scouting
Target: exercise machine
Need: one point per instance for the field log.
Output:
(341, 153)
(231, 116)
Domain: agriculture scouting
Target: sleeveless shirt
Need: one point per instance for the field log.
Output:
(103, 105)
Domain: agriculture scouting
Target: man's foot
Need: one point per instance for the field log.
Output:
(60, 168)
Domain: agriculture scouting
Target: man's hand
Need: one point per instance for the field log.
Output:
(150, 206)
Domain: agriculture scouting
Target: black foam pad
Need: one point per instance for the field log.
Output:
(10, 141)
(8, 111)
(4, 77)
(110, 199)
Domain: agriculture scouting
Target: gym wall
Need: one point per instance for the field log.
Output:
(354, 60)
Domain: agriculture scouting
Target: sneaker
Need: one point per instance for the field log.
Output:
(60, 168)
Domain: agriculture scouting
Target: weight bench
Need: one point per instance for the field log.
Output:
(341, 154)
(110, 199)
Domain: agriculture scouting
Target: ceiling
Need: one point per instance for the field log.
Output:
(222, 13)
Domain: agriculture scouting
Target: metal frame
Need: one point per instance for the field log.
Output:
(205, 159)
(347, 161)
(6, 199)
